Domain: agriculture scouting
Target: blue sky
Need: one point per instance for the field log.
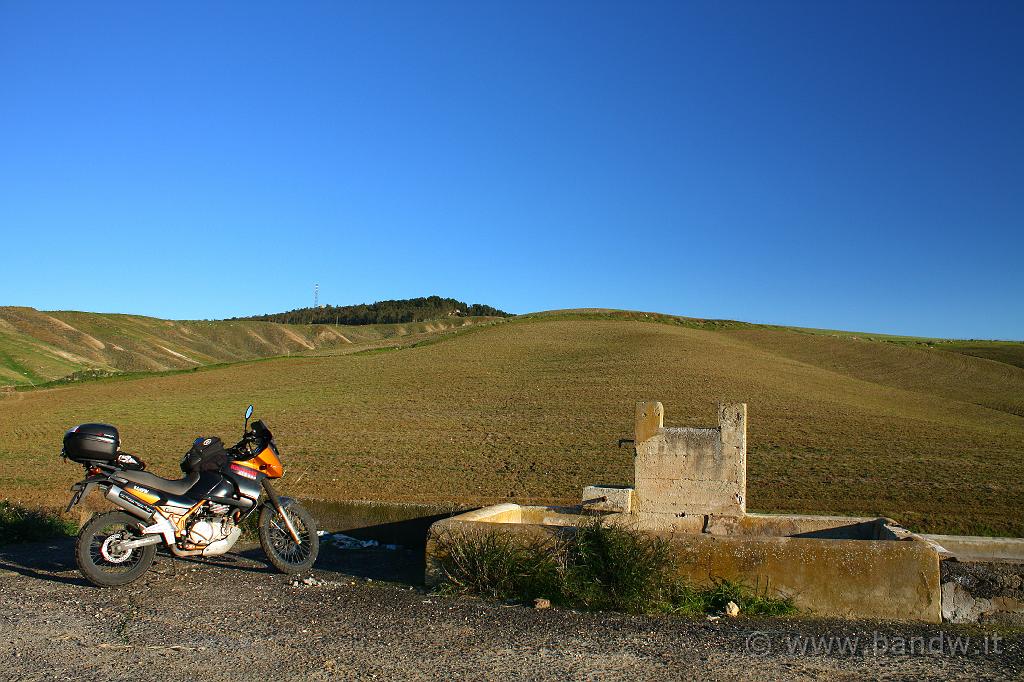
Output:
(851, 165)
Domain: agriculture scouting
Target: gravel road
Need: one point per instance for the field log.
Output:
(233, 619)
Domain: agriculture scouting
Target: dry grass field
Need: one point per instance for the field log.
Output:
(530, 410)
(39, 347)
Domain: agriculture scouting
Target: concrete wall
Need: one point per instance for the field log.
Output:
(608, 498)
(840, 578)
(803, 526)
(826, 577)
(978, 548)
(681, 473)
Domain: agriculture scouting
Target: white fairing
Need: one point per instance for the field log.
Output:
(219, 535)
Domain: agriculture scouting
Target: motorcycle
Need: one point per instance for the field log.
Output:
(200, 514)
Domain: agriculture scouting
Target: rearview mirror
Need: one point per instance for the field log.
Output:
(248, 412)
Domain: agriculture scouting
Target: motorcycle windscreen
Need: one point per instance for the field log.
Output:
(267, 462)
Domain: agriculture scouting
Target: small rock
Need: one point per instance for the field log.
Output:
(541, 603)
(309, 581)
(714, 618)
(732, 610)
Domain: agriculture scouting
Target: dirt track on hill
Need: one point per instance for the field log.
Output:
(234, 620)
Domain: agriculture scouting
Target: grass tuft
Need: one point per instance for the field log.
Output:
(687, 600)
(21, 524)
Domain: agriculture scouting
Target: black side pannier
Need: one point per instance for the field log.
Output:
(206, 454)
(91, 443)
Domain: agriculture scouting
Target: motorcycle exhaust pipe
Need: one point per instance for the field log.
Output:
(161, 529)
(130, 504)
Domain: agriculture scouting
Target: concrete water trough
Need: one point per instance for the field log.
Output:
(690, 489)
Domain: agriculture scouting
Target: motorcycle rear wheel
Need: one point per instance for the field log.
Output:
(277, 543)
(96, 555)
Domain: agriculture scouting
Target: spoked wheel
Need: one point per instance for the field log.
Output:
(280, 547)
(100, 557)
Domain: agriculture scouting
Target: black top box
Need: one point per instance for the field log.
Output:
(91, 443)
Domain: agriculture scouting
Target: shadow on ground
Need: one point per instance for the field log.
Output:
(43, 561)
(55, 560)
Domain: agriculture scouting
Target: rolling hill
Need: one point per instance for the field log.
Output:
(530, 410)
(40, 347)
(423, 309)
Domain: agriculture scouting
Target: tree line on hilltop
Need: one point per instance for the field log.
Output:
(383, 312)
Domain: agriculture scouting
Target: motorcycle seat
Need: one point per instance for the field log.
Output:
(148, 480)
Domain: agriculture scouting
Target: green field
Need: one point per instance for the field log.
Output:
(530, 410)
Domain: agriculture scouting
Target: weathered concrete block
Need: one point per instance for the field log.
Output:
(650, 417)
(668, 522)
(732, 422)
(608, 498)
(690, 471)
(682, 497)
(844, 578)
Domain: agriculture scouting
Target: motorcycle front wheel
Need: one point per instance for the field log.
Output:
(99, 557)
(278, 544)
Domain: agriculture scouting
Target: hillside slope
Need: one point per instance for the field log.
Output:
(925, 369)
(38, 347)
(530, 410)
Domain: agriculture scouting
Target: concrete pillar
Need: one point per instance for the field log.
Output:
(732, 422)
(682, 476)
(650, 417)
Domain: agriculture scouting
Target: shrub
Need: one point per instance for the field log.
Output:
(612, 568)
(497, 565)
(599, 567)
(21, 524)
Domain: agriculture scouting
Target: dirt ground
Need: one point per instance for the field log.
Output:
(366, 618)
